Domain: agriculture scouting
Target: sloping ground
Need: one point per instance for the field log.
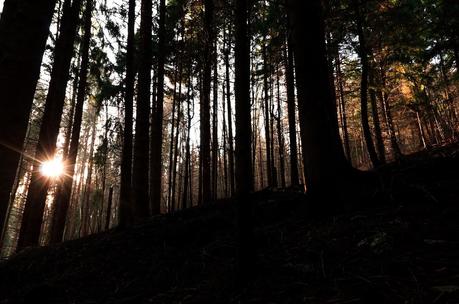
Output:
(402, 248)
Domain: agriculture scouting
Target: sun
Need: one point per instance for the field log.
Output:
(52, 168)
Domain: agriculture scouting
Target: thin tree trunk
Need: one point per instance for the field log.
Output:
(363, 53)
(64, 193)
(267, 120)
(280, 136)
(290, 86)
(375, 115)
(186, 184)
(179, 117)
(172, 142)
(108, 216)
(225, 148)
(342, 101)
(230, 117)
(68, 132)
(384, 100)
(215, 126)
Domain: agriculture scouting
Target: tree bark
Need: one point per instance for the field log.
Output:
(376, 122)
(342, 102)
(157, 121)
(290, 86)
(280, 136)
(63, 195)
(205, 102)
(244, 176)
(325, 165)
(230, 117)
(24, 28)
(49, 129)
(363, 54)
(269, 168)
(215, 126)
(126, 208)
(141, 140)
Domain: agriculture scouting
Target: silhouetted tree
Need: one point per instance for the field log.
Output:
(24, 28)
(126, 208)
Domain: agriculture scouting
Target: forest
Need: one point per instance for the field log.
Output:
(238, 151)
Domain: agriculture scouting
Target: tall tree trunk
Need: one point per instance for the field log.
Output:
(280, 136)
(186, 184)
(24, 28)
(225, 148)
(49, 130)
(205, 102)
(141, 140)
(215, 125)
(230, 117)
(68, 131)
(375, 115)
(325, 165)
(244, 176)
(290, 85)
(172, 142)
(269, 168)
(63, 195)
(86, 206)
(384, 100)
(363, 53)
(108, 215)
(126, 208)
(179, 117)
(157, 121)
(342, 102)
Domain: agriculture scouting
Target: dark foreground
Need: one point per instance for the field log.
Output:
(402, 248)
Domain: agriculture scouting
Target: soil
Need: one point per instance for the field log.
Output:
(401, 246)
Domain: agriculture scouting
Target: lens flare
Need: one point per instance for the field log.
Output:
(52, 168)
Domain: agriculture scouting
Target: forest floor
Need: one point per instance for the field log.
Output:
(403, 247)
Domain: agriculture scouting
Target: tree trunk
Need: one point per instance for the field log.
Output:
(205, 102)
(171, 142)
(49, 129)
(290, 86)
(230, 117)
(375, 115)
(108, 216)
(157, 121)
(244, 176)
(363, 54)
(215, 126)
(269, 168)
(342, 102)
(325, 165)
(126, 208)
(225, 148)
(280, 136)
(384, 101)
(186, 186)
(179, 117)
(63, 195)
(141, 140)
(24, 28)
